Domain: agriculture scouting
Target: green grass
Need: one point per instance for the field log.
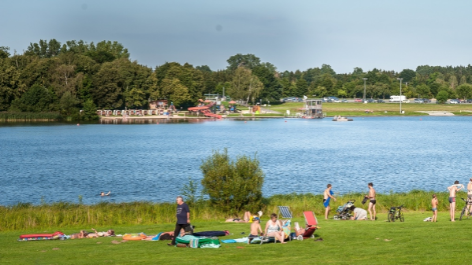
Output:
(62, 214)
(344, 242)
(393, 109)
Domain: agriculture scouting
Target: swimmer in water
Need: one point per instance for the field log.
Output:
(105, 194)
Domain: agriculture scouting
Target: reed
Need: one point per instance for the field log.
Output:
(30, 116)
(23, 216)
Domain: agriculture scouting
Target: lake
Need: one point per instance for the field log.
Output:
(58, 162)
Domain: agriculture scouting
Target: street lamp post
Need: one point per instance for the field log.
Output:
(363, 99)
(401, 79)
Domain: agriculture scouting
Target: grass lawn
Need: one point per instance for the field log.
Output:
(358, 109)
(344, 242)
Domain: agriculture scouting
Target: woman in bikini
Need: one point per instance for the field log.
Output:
(274, 229)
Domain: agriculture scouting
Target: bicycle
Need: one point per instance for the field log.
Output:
(468, 203)
(395, 213)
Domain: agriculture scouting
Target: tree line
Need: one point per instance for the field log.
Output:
(50, 76)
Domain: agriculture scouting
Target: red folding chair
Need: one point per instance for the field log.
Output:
(311, 224)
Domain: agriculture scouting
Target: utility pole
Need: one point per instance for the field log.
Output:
(401, 79)
(363, 99)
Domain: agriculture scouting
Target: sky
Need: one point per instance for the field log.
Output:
(295, 34)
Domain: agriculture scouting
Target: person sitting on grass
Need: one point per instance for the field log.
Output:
(274, 229)
(100, 234)
(359, 213)
(256, 229)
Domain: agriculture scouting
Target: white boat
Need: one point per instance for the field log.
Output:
(341, 118)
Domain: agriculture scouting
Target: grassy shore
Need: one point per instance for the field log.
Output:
(61, 214)
(378, 109)
(29, 116)
(344, 242)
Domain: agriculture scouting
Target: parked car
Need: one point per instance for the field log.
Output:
(426, 100)
(370, 100)
(469, 101)
(380, 101)
(358, 100)
(344, 101)
(418, 100)
(334, 99)
(454, 101)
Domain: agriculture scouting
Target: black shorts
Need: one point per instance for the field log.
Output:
(373, 202)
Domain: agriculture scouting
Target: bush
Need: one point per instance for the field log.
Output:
(442, 96)
(232, 185)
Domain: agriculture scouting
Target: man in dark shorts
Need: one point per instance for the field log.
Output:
(183, 218)
(372, 201)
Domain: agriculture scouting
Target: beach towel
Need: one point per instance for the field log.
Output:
(213, 243)
(237, 240)
(212, 233)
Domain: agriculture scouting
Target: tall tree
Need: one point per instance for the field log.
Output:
(248, 60)
(245, 85)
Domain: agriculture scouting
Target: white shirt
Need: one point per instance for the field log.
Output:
(361, 214)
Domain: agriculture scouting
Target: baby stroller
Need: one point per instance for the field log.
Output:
(344, 212)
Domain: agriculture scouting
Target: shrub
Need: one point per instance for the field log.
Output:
(232, 185)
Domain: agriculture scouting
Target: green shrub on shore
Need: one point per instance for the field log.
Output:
(30, 116)
(62, 214)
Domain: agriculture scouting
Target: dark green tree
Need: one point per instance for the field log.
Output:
(407, 75)
(248, 60)
(36, 99)
(442, 96)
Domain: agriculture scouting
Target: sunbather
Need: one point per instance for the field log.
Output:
(81, 234)
(274, 229)
(100, 234)
(248, 217)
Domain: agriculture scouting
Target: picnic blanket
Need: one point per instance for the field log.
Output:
(198, 242)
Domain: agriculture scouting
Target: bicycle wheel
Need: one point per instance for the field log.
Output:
(402, 218)
(391, 217)
(463, 212)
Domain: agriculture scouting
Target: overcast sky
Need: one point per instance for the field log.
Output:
(384, 34)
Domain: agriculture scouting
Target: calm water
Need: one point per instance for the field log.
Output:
(151, 162)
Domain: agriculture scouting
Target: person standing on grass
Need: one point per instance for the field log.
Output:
(434, 206)
(327, 195)
(469, 195)
(452, 198)
(372, 201)
(183, 218)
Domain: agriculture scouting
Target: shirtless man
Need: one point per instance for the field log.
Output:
(371, 197)
(327, 195)
(452, 198)
(469, 195)
(105, 194)
(434, 208)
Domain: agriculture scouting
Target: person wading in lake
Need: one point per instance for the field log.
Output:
(372, 202)
(183, 218)
(327, 195)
